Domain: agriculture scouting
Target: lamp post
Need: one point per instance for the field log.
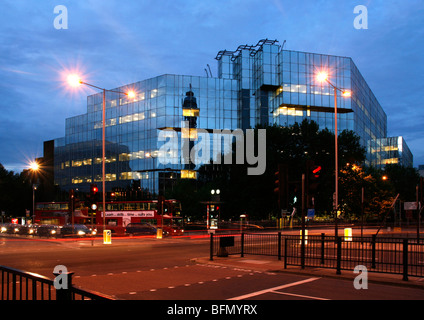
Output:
(323, 76)
(34, 167)
(75, 80)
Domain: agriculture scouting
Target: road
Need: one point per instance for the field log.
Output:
(164, 269)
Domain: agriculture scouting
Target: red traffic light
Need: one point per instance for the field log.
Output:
(93, 188)
(317, 171)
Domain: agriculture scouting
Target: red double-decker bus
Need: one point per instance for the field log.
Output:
(118, 214)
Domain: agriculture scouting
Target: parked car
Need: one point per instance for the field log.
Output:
(142, 229)
(48, 230)
(13, 228)
(29, 229)
(79, 230)
(33, 229)
(6, 227)
(24, 230)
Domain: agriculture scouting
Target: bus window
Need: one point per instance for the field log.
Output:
(139, 206)
(174, 222)
(112, 222)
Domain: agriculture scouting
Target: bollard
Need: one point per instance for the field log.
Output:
(107, 236)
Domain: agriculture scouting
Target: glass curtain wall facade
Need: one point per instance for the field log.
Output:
(256, 84)
(391, 150)
(280, 87)
(132, 129)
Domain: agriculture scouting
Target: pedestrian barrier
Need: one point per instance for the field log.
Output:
(21, 285)
(403, 256)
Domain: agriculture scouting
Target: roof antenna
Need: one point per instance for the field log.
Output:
(207, 75)
(210, 70)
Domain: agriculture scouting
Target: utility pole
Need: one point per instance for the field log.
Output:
(303, 224)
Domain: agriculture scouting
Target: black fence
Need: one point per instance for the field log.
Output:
(378, 254)
(21, 285)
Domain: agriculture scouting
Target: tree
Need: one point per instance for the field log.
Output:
(293, 145)
(378, 196)
(403, 180)
(15, 193)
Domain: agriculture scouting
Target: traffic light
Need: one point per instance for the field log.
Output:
(281, 186)
(93, 196)
(294, 194)
(93, 189)
(313, 173)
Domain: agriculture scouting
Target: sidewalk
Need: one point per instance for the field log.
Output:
(272, 264)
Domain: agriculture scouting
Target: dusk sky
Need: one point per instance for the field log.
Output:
(113, 43)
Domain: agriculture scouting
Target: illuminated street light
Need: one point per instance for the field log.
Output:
(34, 167)
(346, 94)
(74, 81)
(131, 94)
(321, 77)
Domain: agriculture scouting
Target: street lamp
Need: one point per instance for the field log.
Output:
(75, 81)
(321, 77)
(34, 167)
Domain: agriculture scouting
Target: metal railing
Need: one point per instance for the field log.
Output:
(403, 256)
(22, 285)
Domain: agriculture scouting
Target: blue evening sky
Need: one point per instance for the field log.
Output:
(114, 43)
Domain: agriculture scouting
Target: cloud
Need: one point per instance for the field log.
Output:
(114, 43)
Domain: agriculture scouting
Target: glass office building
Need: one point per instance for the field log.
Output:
(257, 84)
(391, 150)
(132, 130)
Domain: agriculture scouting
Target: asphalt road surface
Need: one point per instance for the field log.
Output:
(164, 269)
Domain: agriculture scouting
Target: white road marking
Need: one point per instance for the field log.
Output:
(257, 293)
(299, 295)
